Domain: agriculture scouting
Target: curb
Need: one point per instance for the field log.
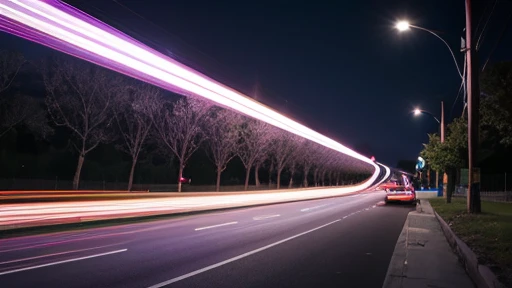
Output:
(398, 263)
(480, 274)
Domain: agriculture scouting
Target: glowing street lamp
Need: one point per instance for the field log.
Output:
(402, 26)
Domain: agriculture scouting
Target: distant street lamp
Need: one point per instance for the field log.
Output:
(418, 111)
(405, 26)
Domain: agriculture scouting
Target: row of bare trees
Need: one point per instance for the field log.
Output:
(100, 106)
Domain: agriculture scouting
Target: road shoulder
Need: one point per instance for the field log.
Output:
(423, 257)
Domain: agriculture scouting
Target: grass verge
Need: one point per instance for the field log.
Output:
(488, 234)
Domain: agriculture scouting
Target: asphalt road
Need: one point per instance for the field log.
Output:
(337, 242)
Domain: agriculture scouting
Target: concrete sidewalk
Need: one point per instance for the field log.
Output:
(423, 257)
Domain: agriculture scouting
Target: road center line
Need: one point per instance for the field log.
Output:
(173, 280)
(214, 226)
(265, 217)
(311, 208)
(61, 262)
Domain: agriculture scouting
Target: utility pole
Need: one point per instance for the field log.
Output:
(442, 141)
(442, 122)
(473, 90)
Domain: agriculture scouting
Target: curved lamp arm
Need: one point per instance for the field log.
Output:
(426, 112)
(445, 43)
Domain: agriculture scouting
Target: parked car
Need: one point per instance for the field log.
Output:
(400, 194)
(403, 192)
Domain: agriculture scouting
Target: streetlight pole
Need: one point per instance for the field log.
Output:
(473, 194)
(442, 141)
(442, 122)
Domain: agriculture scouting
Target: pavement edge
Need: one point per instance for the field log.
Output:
(398, 263)
(480, 274)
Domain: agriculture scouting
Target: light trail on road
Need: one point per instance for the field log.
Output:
(45, 213)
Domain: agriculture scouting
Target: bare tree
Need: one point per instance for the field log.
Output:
(180, 128)
(10, 66)
(321, 165)
(259, 163)
(283, 147)
(255, 136)
(295, 158)
(307, 159)
(132, 112)
(79, 97)
(329, 156)
(223, 139)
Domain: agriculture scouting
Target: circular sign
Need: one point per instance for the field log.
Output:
(420, 164)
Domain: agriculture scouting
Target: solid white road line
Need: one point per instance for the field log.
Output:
(61, 262)
(162, 284)
(214, 226)
(265, 217)
(54, 254)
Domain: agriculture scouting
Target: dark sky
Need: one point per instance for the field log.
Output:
(338, 66)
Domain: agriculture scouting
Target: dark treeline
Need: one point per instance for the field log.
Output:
(62, 118)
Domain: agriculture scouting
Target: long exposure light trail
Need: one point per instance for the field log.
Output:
(37, 214)
(62, 27)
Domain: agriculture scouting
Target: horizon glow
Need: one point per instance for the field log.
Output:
(67, 29)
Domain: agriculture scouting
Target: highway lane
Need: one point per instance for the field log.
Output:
(345, 241)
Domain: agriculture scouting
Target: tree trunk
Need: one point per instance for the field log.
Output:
(76, 179)
(180, 175)
(279, 178)
(247, 173)
(270, 170)
(306, 177)
(256, 175)
(217, 185)
(315, 177)
(451, 185)
(338, 179)
(290, 184)
(132, 171)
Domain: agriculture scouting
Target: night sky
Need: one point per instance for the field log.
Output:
(339, 67)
